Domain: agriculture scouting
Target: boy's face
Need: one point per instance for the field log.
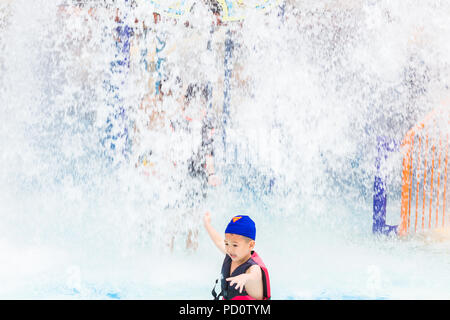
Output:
(238, 247)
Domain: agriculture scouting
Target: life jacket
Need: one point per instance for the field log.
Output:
(229, 292)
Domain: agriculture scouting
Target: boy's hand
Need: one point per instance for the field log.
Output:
(215, 236)
(240, 281)
(207, 218)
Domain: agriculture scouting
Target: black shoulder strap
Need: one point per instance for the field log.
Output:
(215, 295)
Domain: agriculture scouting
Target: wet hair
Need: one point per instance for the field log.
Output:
(191, 92)
(214, 6)
(247, 239)
(194, 89)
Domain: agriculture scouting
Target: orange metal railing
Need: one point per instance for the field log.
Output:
(426, 141)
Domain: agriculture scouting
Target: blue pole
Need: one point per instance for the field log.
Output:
(228, 67)
(116, 124)
(384, 146)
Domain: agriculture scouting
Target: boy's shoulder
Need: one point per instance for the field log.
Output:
(254, 268)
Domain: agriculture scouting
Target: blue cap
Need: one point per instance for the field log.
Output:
(243, 226)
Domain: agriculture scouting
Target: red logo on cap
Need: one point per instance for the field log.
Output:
(236, 219)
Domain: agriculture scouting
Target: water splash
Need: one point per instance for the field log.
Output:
(98, 149)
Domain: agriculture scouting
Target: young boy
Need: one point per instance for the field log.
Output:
(244, 275)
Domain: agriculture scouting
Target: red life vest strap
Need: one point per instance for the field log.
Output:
(266, 280)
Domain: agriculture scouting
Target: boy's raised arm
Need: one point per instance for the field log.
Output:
(213, 234)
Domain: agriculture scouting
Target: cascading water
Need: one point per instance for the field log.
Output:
(104, 117)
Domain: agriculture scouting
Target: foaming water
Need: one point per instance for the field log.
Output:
(97, 197)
